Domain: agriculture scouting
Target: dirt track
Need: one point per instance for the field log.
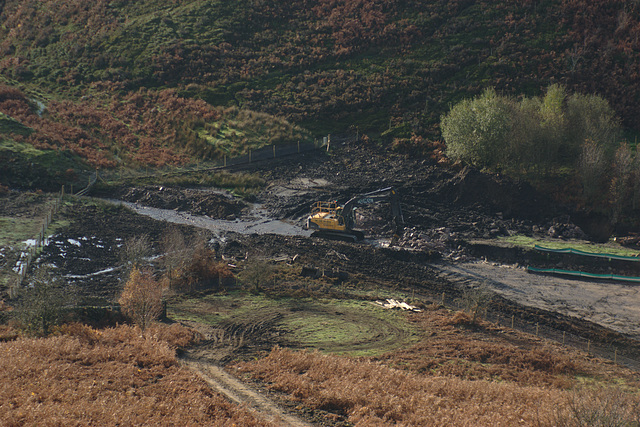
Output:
(238, 392)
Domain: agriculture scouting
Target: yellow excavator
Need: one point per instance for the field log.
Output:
(334, 221)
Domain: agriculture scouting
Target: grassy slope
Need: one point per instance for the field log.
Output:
(387, 65)
(334, 325)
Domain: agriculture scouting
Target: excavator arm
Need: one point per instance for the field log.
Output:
(334, 221)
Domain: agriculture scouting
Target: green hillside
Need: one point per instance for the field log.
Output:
(169, 81)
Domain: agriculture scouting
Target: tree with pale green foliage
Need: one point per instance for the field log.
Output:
(534, 134)
(477, 131)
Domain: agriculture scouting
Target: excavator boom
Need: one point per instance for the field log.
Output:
(331, 220)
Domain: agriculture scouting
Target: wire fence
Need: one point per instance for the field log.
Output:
(269, 152)
(253, 156)
(32, 250)
(619, 354)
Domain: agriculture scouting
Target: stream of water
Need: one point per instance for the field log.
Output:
(256, 222)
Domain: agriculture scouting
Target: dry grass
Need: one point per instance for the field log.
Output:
(85, 376)
(481, 376)
(373, 394)
(370, 393)
(489, 352)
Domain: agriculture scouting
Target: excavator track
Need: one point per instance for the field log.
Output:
(350, 236)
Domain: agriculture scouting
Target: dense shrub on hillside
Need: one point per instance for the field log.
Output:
(540, 137)
(406, 59)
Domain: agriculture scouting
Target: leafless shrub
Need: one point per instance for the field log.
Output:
(601, 407)
(134, 251)
(620, 186)
(475, 301)
(636, 179)
(175, 251)
(192, 265)
(41, 305)
(257, 273)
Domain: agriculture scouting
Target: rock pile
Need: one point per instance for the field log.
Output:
(561, 228)
(440, 239)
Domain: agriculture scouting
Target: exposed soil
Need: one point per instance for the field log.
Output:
(444, 210)
(213, 203)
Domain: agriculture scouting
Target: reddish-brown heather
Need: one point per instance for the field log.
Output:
(488, 352)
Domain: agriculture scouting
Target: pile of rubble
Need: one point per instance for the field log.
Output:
(440, 239)
(561, 228)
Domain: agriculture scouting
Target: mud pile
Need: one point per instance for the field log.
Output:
(212, 203)
(466, 201)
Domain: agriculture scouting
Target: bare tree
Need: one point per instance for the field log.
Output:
(176, 253)
(636, 179)
(476, 300)
(141, 299)
(592, 168)
(41, 305)
(134, 251)
(620, 181)
(257, 273)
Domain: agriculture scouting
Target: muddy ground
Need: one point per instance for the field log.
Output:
(444, 210)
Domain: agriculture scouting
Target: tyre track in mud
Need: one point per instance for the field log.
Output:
(238, 392)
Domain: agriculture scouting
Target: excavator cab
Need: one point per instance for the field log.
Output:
(331, 220)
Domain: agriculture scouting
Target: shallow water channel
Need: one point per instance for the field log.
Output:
(256, 222)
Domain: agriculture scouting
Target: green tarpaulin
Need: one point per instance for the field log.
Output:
(591, 254)
(586, 275)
